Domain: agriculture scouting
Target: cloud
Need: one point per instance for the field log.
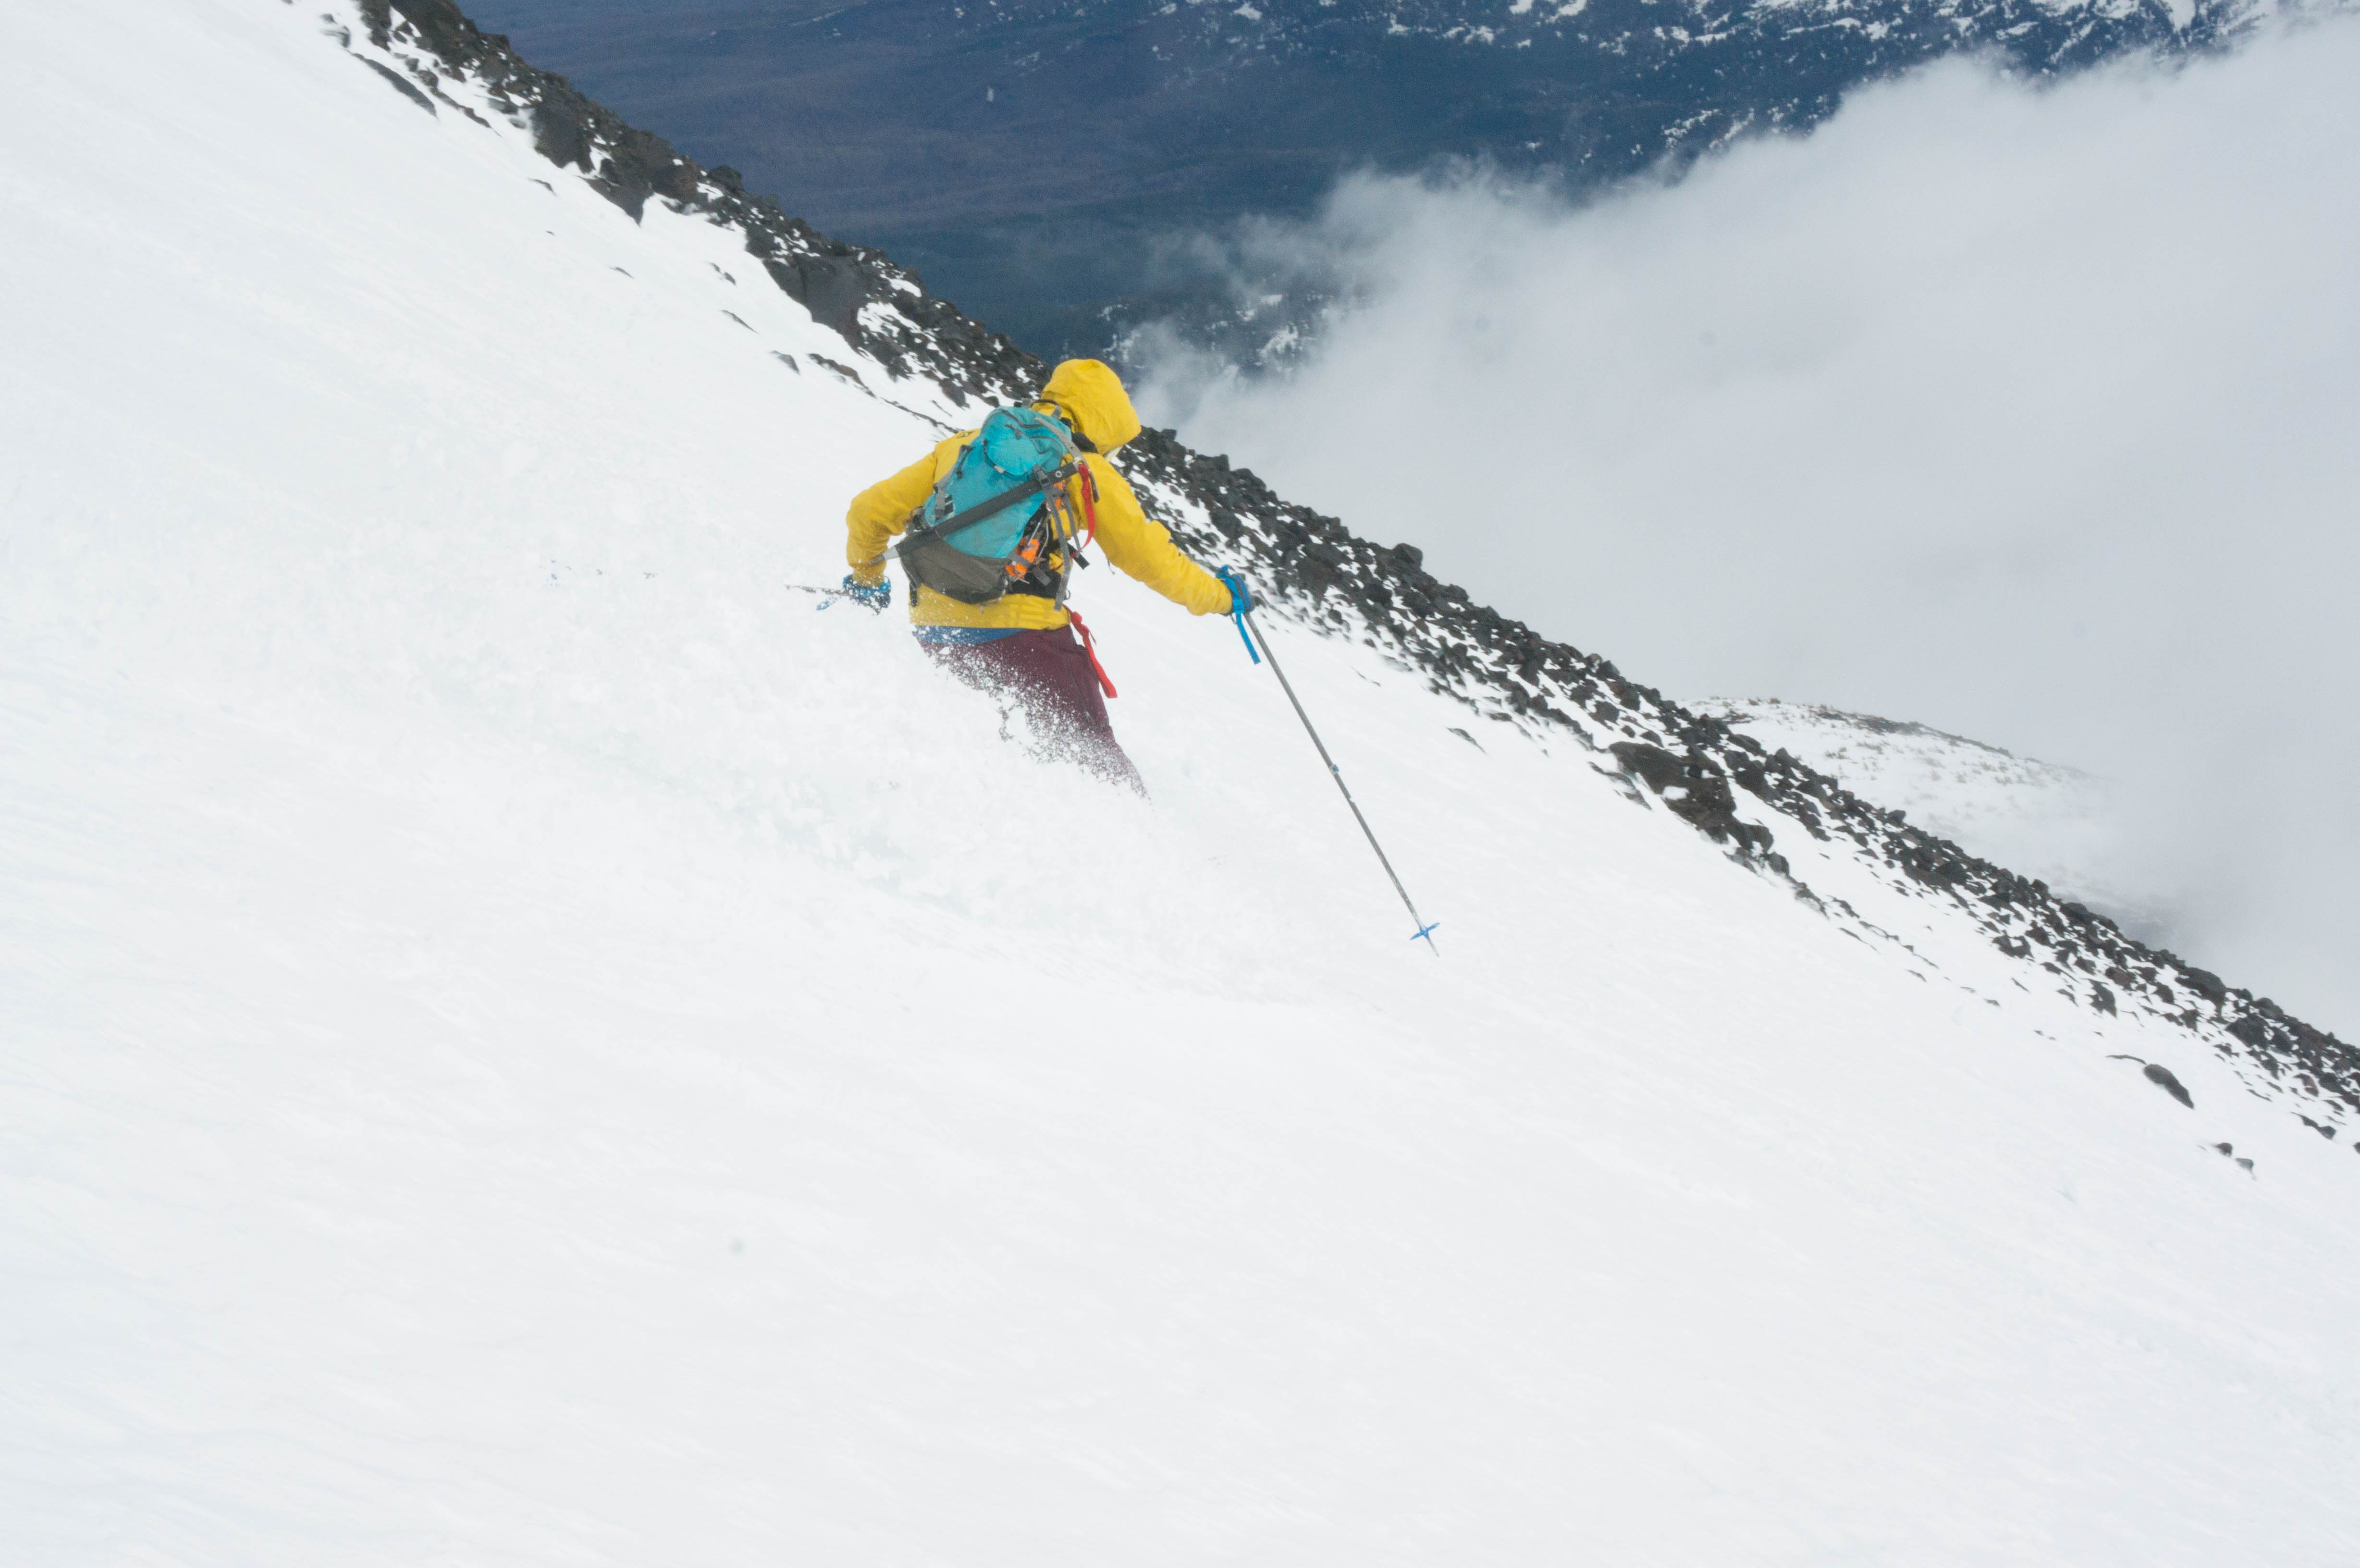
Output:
(2026, 412)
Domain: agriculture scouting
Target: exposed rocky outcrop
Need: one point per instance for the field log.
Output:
(1320, 574)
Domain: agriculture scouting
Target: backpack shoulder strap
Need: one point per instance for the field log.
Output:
(957, 521)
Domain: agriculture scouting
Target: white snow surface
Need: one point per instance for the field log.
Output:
(2072, 830)
(525, 1043)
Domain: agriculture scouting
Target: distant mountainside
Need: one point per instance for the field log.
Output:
(2058, 823)
(1041, 161)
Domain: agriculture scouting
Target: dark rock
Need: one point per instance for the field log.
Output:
(1657, 767)
(1314, 576)
(2161, 1075)
(403, 85)
(1694, 791)
(830, 290)
(441, 26)
(558, 135)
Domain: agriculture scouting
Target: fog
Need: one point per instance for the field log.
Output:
(2027, 413)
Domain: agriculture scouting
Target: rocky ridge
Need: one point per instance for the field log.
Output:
(1322, 575)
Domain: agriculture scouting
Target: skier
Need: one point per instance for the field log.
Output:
(1021, 643)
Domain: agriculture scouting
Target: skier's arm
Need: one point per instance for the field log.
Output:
(878, 512)
(1141, 547)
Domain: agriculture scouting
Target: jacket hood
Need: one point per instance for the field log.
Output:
(1092, 398)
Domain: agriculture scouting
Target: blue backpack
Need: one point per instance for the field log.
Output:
(1000, 516)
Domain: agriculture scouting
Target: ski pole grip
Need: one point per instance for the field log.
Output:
(1240, 601)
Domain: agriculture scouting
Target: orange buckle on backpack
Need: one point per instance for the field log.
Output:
(1025, 557)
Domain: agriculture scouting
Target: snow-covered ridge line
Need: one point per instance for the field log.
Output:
(1874, 724)
(2041, 817)
(1327, 579)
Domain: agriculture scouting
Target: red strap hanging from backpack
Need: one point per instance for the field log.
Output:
(1090, 646)
(1089, 503)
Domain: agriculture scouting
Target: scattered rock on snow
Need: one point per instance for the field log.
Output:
(2158, 1075)
(402, 85)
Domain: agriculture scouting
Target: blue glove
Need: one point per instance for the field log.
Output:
(871, 595)
(1240, 601)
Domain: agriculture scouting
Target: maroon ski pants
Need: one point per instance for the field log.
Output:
(1050, 676)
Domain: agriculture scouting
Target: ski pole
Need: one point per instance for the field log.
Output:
(1245, 619)
(826, 596)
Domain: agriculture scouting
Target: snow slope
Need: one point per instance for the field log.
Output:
(525, 1042)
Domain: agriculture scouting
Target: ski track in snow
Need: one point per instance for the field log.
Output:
(526, 1042)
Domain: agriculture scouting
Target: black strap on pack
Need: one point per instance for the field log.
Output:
(959, 521)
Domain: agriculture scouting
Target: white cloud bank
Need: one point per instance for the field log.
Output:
(2032, 414)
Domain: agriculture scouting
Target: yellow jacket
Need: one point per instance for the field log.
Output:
(1090, 398)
